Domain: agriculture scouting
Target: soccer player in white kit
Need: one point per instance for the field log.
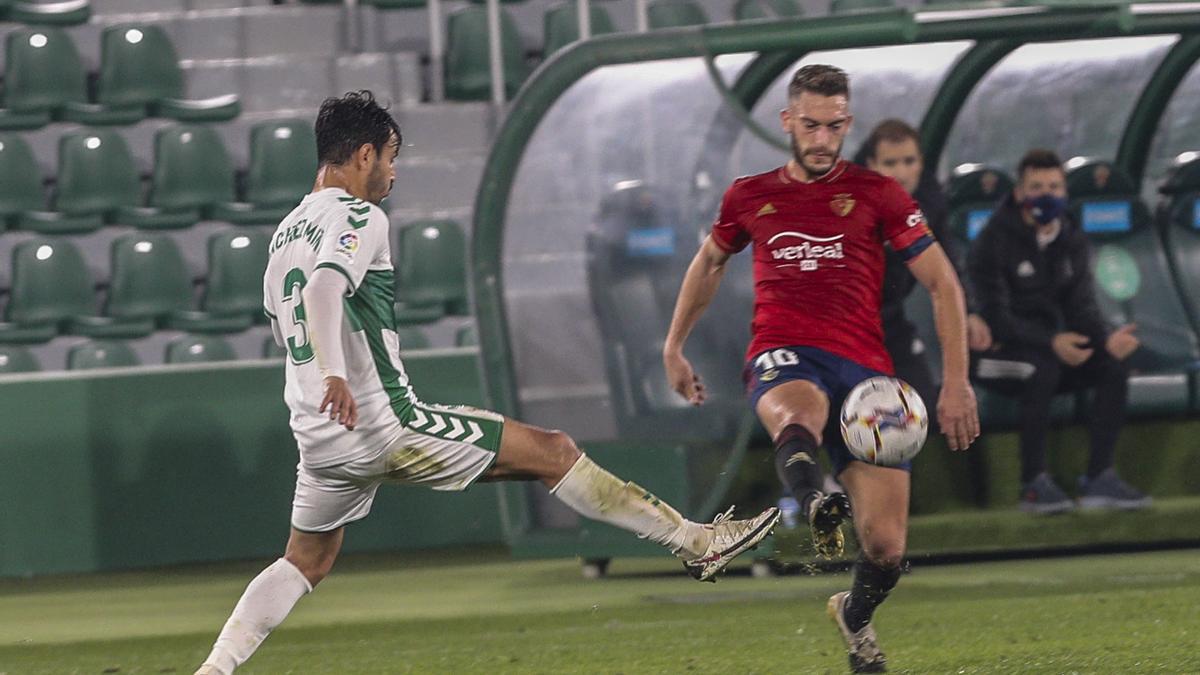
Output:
(358, 423)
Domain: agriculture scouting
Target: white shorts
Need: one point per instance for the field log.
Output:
(445, 448)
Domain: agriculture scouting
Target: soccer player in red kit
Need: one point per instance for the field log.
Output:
(819, 225)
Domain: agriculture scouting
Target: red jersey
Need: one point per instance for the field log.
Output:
(818, 256)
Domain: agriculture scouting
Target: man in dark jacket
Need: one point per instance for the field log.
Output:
(893, 149)
(1031, 273)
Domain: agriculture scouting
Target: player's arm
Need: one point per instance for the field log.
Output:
(957, 413)
(700, 285)
(323, 302)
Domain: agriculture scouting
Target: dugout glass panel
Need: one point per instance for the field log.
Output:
(1073, 97)
(1177, 133)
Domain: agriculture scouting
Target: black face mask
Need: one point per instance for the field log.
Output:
(1045, 209)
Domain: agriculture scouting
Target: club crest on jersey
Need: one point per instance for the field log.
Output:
(842, 204)
(347, 244)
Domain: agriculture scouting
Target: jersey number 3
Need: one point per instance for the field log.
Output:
(299, 345)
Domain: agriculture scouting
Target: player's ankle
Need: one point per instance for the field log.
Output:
(692, 540)
(809, 501)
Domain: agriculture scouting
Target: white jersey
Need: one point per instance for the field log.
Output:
(334, 230)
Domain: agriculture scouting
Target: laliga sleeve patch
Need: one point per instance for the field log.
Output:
(347, 244)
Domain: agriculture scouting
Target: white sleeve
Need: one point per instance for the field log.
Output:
(277, 331)
(354, 242)
(323, 302)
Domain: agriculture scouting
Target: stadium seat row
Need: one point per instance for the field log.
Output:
(53, 292)
(44, 80)
(187, 348)
(97, 180)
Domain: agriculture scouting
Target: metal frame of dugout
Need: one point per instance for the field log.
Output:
(997, 31)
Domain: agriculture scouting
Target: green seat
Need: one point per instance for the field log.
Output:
(58, 13)
(283, 161)
(96, 178)
(675, 13)
(139, 67)
(150, 282)
(14, 359)
(101, 354)
(42, 72)
(149, 278)
(560, 25)
(747, 10)
(972, 195)
(236, 263)
(1134, 285)
(850, 6)
(199, 349)
(468, 74)
(44, 77)
(412, 338)
(192, 175)
(20, 180)
(467, 336)
(50, 283)
(431, 277)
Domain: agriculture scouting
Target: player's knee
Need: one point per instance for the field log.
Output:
(885, 550)
(314, 567)
(561, 454)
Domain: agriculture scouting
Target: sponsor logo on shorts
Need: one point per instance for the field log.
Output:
(769, 375)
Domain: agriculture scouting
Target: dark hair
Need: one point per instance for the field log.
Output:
(346, 124)
(820, 79)
(1038, 158)
(892, 131)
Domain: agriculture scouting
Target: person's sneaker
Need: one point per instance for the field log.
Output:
(825, 515)
(730, 539)
(1108, 491)
(1043, 497)
(862, 647)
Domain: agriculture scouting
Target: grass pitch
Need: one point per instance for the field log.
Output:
(479, 612)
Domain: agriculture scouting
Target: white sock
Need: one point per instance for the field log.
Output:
(599, 495)
(265, 604)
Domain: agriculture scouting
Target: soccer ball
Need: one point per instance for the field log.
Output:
(884, 421)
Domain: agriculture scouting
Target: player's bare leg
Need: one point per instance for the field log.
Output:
(271, 596)
(880, 496)
(553, 458)
(794, 413)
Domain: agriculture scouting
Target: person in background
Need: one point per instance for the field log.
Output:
(1031, 271)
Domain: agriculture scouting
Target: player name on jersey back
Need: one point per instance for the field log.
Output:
(332, 230)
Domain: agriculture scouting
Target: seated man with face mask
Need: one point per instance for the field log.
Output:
(1031, 272)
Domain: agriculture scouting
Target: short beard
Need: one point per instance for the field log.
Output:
(813, 173)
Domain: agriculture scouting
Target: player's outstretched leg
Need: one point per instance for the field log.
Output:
(271, 596)
(553, 458)
(880, 496)
(794, 412)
